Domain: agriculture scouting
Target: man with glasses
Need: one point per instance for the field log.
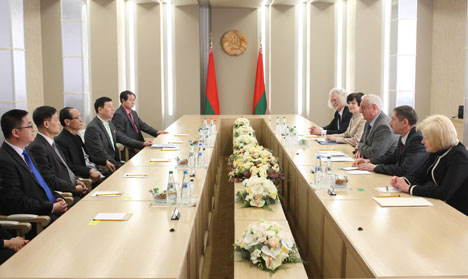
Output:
(72, 146)
(51, 161)
(22, 188)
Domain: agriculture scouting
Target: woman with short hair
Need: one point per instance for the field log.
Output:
(355, 129)
(342, 116)
(444, 175)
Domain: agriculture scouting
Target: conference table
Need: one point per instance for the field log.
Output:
(347, 235)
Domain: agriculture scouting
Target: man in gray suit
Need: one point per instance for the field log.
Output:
(101, 136)
(378, 137)
(129, 123)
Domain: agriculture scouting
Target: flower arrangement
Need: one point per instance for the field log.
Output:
(244, 130)
(257, 192)
(254, 161)
(240, 122)
(267, 246)
(244, 140)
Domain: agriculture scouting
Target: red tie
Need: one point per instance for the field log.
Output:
(131, 117)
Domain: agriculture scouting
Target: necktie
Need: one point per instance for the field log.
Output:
(369, 127)
(133, 120)
(38, 176)
(71, 175)
(339, 121)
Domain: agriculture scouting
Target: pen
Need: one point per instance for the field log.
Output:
(110, 194)
(388, 196)
(137, 175)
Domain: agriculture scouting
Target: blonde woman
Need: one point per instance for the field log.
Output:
(444, 175)
(355, 129)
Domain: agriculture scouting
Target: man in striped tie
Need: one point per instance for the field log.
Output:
(22, 188)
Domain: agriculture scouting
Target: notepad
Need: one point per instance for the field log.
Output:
(331, 153)
(403, 202)
(106, 194)
(338, 159)
(160, 160)
(388, 189)
(350, 168)
(160, 145)
(355, 172)
(111, 217)
(135, 175)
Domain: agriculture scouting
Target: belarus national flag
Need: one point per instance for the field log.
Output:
(260, 101)
(211, 101)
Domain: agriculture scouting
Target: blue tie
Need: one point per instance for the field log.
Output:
(38, 176)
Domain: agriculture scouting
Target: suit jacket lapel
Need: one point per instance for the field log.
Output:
(20, 161)
(105, 132)
(52, 151)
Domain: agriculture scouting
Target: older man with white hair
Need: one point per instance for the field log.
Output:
(340, 121)
(378, 137)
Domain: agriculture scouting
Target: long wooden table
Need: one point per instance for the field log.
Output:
(392, 242)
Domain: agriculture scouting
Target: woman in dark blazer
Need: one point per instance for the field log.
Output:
(444, 175)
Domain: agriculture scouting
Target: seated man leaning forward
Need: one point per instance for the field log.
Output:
(127, 121)
(342, 116)
(410, 152)
(444, 174)
(22, 188)
(378, 137)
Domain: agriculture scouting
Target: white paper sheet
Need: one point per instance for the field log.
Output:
(358, 172)
(111, 217)
(404, 202)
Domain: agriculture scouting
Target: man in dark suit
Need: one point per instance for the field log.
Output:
(51, 161)
(72, 146)
(101, 136)
(410, 153)
(129, 123)
(342, 116)
(378, 137)
(22, 188)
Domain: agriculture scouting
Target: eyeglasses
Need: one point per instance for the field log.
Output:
(25, 127)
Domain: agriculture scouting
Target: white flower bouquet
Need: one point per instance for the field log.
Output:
(241, 122)
(244, 130)
(244, 140)
(267, 246)
(254, 161)
(257, 192)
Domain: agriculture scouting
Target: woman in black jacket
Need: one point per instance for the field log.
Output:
(444, 175)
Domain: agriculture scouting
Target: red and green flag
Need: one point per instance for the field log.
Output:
(260, 101)
(211, 101)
